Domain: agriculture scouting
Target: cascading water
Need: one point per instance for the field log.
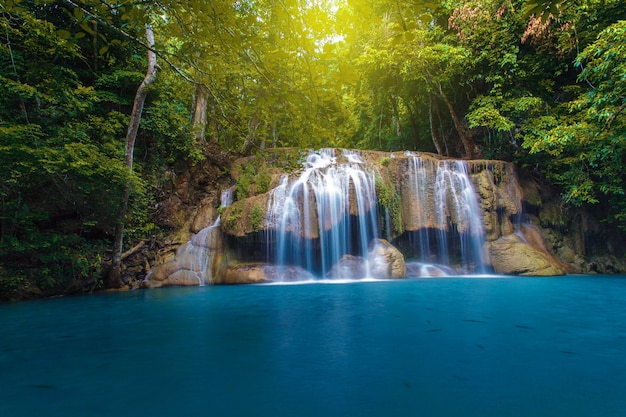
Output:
(445, 210)
(323, 221)
(328, 211)
(199, 248)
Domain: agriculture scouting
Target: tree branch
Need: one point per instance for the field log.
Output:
(133, 38)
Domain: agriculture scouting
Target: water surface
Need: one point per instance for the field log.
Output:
(420, 347)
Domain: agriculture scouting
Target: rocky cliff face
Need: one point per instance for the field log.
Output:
(417, 195)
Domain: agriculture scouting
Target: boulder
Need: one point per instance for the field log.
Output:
(181, 277)
(511, 255)
(161, 272)
(184, 277)
(287, 273)
(241, 274)
(385, 260)
(348, 267)
(205, 217)
(245, 216)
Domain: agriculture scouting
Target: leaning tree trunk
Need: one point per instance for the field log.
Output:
(253, 125)
(468, 146)
(433, 128)
(200, 113)
(114, 277)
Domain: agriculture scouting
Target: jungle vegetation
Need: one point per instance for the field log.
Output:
(101, 97)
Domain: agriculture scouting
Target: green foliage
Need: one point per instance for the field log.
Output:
(604, 66)
(586, 140)
(253, 179)
(233, 216)
(166, 129)
(63, 118)
(385, 191)
(56, 264)
(256, 217)
(286, 159)
(395, 213)
(547, 92)
(389, 200)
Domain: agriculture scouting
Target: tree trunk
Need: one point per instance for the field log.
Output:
(433, 128)
(413, 120)
(468, 146)
(440, 126)
(114, 277)
(214, 126)
(395, 116)
(253, 125)
(200, 113)
(274, 135)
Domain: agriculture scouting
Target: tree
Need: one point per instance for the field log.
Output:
(114, 276)
(587, 144)
(60, 124)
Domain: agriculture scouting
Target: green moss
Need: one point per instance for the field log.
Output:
(384, 161)
(253, 179)
(256, 217)
(385, 191)
(232, 218)
(395, 214)
(389, 199)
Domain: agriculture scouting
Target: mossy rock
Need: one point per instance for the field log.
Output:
(245, 216)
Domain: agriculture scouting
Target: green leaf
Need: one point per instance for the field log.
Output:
(63, 34)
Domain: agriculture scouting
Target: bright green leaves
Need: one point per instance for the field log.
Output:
(604, 66)
(544, 9)
(486, 114)
(503, 114)
(587, 142)
(438, 63)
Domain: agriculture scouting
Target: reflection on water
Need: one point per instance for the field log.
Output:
(419, 347)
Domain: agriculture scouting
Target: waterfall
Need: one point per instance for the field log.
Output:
(197, 252)
(329, 210)
(444, 210)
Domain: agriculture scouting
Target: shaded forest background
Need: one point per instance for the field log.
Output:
(540, 83)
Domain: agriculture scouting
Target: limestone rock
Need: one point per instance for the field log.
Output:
(499, 195)
(245, 216)
(241, 274)
(170, 274)
(385, 260)
(420, 270)
(205, 217)
(287, 273)
(348, 267)
(161, 272)
(511, 255)
(183, 277)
